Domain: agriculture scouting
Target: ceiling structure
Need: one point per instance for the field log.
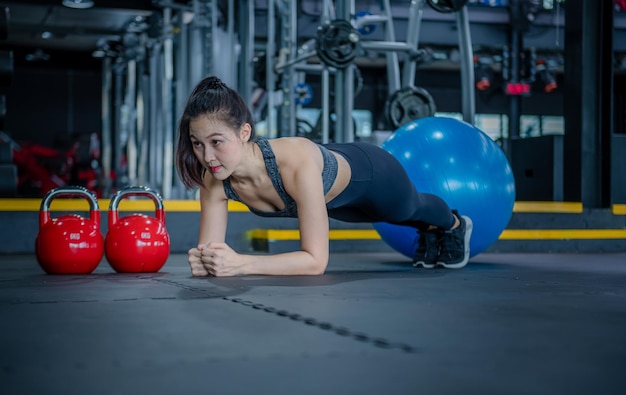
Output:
(48, 25)
(42, 26)
(38, 29)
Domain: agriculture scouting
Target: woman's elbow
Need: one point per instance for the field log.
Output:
(318, 271)
(313, 262)
(318, 267)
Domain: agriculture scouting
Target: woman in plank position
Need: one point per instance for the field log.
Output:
(219, 152)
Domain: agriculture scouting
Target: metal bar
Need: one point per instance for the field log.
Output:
(468, 103)
(154, 168)
(283, 65)
(369, 19)
(142, 120)
(328, 12)
(344, 86)
(325, 115)
(270, 77)
(293, 51)
(246, 39)
(183, 74)
(196, 39)
(327, 15)
(393, 64)
(211, 10)
(313, 68)
(226, 45)
(131, 142)
(118, 137)
(289, 20)
(413, 30)
(106, 126)
(387, 46)
(167, 105)
(182, 88)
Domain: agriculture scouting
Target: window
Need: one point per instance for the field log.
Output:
(495, 126)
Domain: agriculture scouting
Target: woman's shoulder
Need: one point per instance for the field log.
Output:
(296, 153)
(213, 186)
(289, 144)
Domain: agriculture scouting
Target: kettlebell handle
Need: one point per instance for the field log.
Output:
(69, 191)
(136, 191)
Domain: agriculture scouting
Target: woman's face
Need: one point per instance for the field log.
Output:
(216, 145)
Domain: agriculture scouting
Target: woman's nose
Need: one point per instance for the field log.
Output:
(208, 155)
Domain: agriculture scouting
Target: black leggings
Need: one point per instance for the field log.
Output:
(381, 191)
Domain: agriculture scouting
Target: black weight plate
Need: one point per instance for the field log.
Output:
(337, 43)
(447, 6)
(408, 104)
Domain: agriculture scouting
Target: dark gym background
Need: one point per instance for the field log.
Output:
(55, 89)
(543, 311)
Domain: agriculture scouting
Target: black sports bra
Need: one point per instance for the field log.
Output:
(329, 173)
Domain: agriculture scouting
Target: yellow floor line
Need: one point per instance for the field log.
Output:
(548, 207)
(507, 234)
(294, 234)
(125, 205)
(339, 234)
(7, 204)
(619, 209)
(562, 234)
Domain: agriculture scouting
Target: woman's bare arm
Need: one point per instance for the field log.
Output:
(213, 220)
(302, 180)
(213, 213)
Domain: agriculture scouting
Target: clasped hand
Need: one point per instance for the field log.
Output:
(214, 259)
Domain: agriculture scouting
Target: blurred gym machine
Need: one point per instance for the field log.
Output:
(342, 37)
(8, 170)
(148, 75)
(537, 162)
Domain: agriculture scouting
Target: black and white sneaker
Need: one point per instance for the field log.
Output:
(454, 245)
(427, 250)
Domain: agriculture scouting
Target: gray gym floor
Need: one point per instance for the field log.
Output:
(506, 324)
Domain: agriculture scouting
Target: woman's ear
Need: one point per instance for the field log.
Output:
(244, 132)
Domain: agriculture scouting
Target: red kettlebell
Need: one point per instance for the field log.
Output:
(69, 244)
(137, 243)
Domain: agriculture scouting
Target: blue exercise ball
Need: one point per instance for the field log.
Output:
(462, 165)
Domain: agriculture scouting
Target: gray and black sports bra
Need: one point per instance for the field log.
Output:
(329, 173)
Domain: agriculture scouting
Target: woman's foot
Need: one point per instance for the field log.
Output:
(427, 250)
(454, 244)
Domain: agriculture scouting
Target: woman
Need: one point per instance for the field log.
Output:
(218, 151)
